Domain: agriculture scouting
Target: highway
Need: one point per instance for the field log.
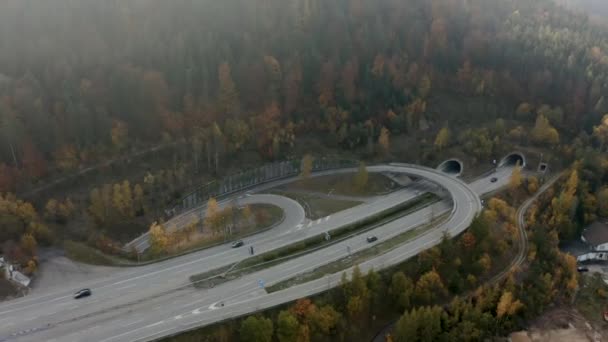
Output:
(148, 302)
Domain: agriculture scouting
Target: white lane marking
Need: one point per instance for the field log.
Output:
(327, 218)
(198, 311)
(298, 227)
(309, 224)
(132, 323)
(178, 317)
(318, 221)
(154, 324)
(31, 318)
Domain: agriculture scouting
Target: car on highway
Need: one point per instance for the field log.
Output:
(371, 239)
(82, 293)
(493, 179)
(237, 243)
(582, 269)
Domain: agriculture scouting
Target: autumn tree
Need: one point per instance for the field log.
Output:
(228, 95)
(401, 291)
(51, 209)
(213, 216)
(600, 133)
(256, 329)
(516, 178)
(119, 134)
(159, 239)
(424, 86)
(507, 305)
(384, 141)
(306, 166)
(543, 132)
(325, 320)
(442, 139)
(28, 244)
(429, 287)
(66, 158)
(524, 111)
(287, 327)
(532, 185)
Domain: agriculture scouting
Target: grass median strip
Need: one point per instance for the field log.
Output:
(265, 260)
(355, 258)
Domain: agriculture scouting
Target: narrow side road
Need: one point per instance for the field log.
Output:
(523, 235)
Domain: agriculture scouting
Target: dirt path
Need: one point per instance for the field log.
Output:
(56, 270)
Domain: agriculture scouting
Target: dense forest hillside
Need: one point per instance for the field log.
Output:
(82, 81)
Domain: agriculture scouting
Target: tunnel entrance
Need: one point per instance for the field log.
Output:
(451, 167)
(512, 159)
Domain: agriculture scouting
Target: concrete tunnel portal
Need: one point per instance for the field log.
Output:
(512, 159)
(451, 167)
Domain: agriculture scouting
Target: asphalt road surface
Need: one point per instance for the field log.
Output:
(148, 302)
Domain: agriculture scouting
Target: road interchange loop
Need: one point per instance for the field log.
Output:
(145, 303)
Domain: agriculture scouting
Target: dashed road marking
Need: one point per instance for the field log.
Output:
(327, 218)
(155, 324)
(298, 227)
(178, 317)
(318, 221)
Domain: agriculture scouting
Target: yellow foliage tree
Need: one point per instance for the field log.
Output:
(507, 306)
(442, 139)
(543, 132)
(532, 185)
(28, 244)
(306, 166)
(516, 178)
(213, 216)
(384, 140)
(159, 239)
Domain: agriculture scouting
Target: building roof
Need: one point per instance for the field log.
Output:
(596, 234)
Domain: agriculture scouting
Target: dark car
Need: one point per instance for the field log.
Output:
(82, 293)
(371, 239)
(237, 243)
(582, 269)
(493, 179)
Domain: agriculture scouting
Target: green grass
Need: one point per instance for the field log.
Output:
(343, 184)
(80, 252)
(291, 251)
(354, 259)
(592, 298)
(317, 206)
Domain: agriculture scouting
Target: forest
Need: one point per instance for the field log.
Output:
(206, 86)
(83, 81)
